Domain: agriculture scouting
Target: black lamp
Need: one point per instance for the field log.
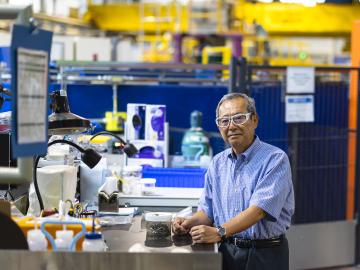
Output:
(89, 156)
(128, 148)
(62, 121)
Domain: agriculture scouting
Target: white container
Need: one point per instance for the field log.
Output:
(93, 242)
(148, 186)
(36, 240)
(158, 224)
(56, 182)
(91, 180)
(63, 240)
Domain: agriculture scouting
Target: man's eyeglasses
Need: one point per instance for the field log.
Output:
(237, 119)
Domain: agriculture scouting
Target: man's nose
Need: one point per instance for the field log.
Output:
(232, 124)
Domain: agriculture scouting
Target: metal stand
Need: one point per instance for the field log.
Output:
(238, 71)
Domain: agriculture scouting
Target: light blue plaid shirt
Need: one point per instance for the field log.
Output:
(260, 176)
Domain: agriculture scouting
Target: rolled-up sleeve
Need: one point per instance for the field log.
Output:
(205, 201)
(273, 188)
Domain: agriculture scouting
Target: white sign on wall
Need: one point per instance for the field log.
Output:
(299, 108)
(300, 80)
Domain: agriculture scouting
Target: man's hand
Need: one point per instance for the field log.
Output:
(204, 234)
(181, 226)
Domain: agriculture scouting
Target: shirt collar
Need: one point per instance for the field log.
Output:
(248, 152)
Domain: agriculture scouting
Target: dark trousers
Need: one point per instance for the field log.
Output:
(270, 258)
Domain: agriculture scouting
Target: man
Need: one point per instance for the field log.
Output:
(248, 198)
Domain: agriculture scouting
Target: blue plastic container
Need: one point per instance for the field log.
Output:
(176, 177)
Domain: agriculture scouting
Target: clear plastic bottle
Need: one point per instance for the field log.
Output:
(131, 176)
(63, 239)
(36, 240)
(93, 242)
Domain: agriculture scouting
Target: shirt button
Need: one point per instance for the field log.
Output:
(235, 190)
(236, 209)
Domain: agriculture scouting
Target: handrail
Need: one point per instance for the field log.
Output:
(19, 175)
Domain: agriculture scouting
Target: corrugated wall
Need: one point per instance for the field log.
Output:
(317, 151)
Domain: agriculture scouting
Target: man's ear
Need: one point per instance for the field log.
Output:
(255, 119)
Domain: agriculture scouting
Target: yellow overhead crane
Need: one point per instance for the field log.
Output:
(276, 18)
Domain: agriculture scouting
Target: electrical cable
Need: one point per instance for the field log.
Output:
(128, 148)
(37, 191)
(108, 133)
(67, 142)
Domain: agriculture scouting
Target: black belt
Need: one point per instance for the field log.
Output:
(256, 243)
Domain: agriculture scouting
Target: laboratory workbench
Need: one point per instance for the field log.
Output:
(174, 253)
(123, 237)
(166, 198)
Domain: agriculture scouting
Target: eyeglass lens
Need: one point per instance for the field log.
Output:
(238, 119)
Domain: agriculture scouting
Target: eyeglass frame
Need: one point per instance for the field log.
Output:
(231, 118)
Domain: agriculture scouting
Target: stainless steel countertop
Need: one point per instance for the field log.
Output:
(121, 238)
(180, 254)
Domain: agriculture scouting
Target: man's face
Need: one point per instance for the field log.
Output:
(239, 136)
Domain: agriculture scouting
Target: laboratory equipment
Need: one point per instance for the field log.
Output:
(63, 222)
(195, 143)
(58, 182)
(108, 195)
(131, 176)
(128, 148)
(63, 239)
(91, 179)
(62, 121)
(158, 224)
(93, 242)
(148, 186)
(115, 121)
(36, 239)
(88, 156)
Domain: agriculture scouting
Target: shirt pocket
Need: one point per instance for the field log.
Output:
(245, 195)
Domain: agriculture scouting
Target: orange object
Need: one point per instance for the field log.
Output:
(353, 107)
(27, 223)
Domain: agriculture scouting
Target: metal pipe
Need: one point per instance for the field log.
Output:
(19, 175)
(242, 87)
(238, 78)
(128, 66)
(21, 14)
(115, 101)
(232, 80)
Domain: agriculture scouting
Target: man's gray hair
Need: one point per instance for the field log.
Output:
(250, 102)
